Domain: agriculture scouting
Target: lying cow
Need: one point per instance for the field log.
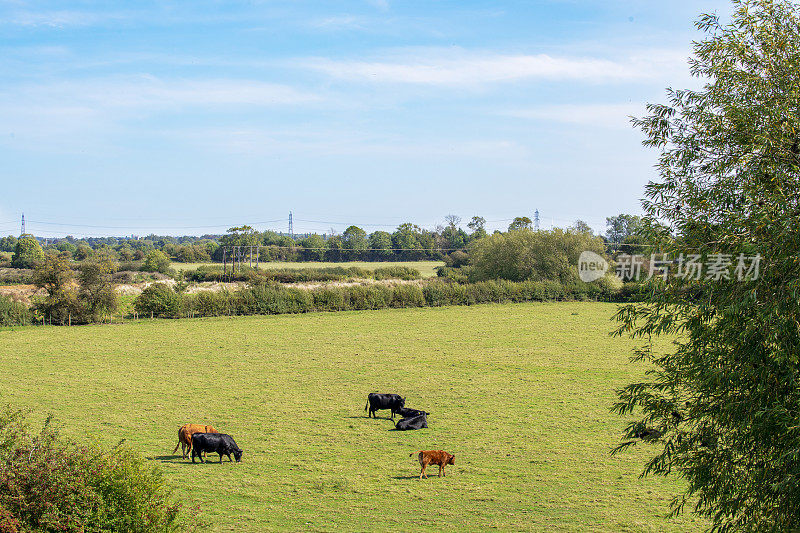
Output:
(405, 412)
(415, 422)
(185, 437)
(376, 401)
(215, 442)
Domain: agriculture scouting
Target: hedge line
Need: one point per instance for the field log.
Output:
(272, 299)
(300, 275)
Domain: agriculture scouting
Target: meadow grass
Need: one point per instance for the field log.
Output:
(520, 393)
(426, 268)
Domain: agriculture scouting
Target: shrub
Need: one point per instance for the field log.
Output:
(14, 313)
(330, 299)
(459, 275)
(369, 296)
(397, 272)
(51, 484)
(456, 259)
(158, 299)
(156, 261)
(524, 254)
(407, 296)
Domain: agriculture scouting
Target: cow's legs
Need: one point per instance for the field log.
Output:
(441, 469)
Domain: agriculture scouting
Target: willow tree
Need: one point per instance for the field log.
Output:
(721, 407)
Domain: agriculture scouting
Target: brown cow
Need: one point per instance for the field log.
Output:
(434, 457)
(185, 437)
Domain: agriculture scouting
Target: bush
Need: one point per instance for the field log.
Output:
(156, 261)
(51, 484)
(459, 275)
(330, 299)
(407, 296)
(14, 313)
(16, 276)
(158, 299)
(397, 272)
(525, 254)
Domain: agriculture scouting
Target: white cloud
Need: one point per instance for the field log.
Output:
(155, 93)
(342, 22)
(61, 19)
(324, 143)
(456, 67)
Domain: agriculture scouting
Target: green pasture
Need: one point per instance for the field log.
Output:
(426, 268)
(520, 393)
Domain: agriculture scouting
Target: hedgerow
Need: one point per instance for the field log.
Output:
(274, 298)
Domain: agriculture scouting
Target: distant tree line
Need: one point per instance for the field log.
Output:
(408, 242)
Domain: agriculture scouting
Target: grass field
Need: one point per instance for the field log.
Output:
(519, 392)
(426, 268)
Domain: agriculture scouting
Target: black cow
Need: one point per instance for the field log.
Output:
(377, 401)
(406, 412)
(215, 442)
(415, 422)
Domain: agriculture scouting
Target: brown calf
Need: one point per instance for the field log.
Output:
(434, 457)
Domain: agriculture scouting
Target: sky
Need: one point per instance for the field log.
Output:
(187, 118)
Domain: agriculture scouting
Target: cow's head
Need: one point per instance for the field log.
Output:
(237, 454)
(402, 402)
(451, 460)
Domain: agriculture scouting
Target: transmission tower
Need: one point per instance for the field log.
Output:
(22, 231)
(536, 220)
(291, 229)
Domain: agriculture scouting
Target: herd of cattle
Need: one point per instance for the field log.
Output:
(200, 439)
(409, 418)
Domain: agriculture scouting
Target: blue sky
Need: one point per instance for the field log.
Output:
(121, 118)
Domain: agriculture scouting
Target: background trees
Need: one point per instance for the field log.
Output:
(520, 223)
(354, 240)
(27, 252)
(724, 401)
(156, 261)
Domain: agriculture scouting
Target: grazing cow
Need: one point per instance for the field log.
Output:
(405, 412)
(185, 437)
(434, 457)
(415, 422)
(377, 401)
(215, 442)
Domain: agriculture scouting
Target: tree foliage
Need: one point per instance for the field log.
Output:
(520, 223)
(156, 261)
(531, 255)
(723, 406)
(27, 252)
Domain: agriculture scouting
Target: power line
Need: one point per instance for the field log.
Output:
(148, 227)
